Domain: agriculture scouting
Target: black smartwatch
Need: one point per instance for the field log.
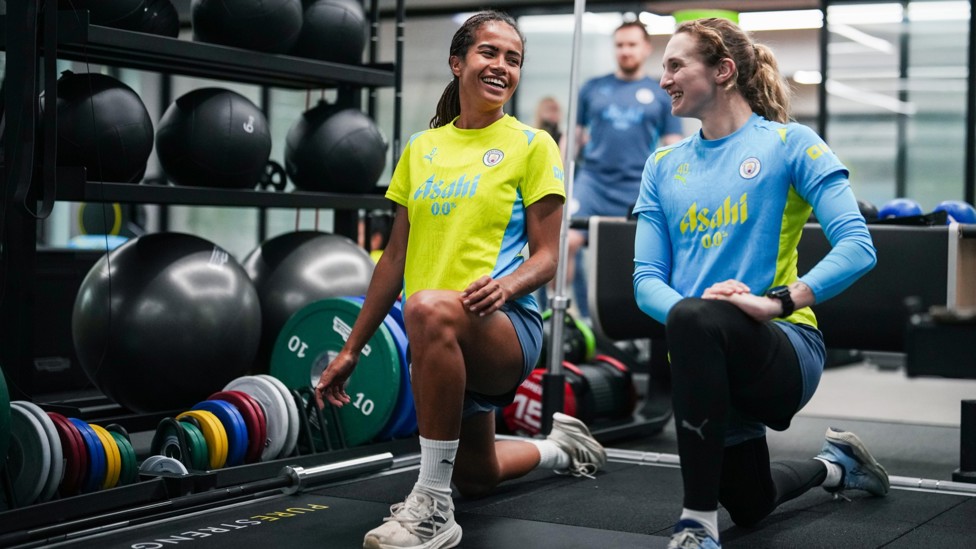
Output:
(782, 293)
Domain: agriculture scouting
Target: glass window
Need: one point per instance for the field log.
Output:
(896, 97)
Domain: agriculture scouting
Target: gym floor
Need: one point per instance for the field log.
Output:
(911, 426)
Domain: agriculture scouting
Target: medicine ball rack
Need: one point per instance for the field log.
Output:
(78, 40)
(75, 39)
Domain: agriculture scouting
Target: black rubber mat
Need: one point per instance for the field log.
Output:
(646, 500)
(626, 505)
(325, 522)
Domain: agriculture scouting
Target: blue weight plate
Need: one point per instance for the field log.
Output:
(97, 464)
(233, 423)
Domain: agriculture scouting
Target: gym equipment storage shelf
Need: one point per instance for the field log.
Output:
(96, 44)
(80, 41)
(73, 187)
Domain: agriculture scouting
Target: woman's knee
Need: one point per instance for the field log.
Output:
(430, 308)
(690, 312)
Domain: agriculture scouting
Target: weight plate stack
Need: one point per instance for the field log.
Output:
(113, 457)
(97, 465)
(75, 455)
(253, 415)
(308, 342)
(54, 441)
(214, 433)
(275, 411)
(28, 456)
(403, 420)
(291, 437)
(234, 426)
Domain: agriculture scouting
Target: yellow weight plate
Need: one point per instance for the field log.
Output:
(214, 433)
(113, 458)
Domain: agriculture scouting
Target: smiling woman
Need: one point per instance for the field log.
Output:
(492, 58)
(471, 192)
(716, 262)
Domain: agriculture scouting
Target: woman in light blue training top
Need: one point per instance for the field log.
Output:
(471, 193)
(720, 215)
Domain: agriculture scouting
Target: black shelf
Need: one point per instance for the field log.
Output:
(96, 191)
(103, 45)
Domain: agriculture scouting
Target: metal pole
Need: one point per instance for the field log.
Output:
(552, 392)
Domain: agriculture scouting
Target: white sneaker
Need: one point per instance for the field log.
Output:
(586, 455)
(419, 522)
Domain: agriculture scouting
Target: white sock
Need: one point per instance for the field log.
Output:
(551, 456)
(436, 467)
(708, 519)
(835, 474)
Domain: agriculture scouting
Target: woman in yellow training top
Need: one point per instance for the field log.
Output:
(471, 193)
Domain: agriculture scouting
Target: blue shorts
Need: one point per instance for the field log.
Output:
(528, 329)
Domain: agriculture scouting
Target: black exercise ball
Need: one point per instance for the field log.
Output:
(103, 126)
(868, 210)
(270, 26)
(160, 17)
(335, 150)
(213, 137)
(333, 30)
(164, 320)
(294, 269)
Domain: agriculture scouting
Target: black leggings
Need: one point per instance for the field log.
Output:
(724, 363)
(751, 487)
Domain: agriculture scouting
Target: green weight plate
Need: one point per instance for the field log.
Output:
(196, 445)
(28, 456)
(214, 433)
(313, 336)
(130, 464)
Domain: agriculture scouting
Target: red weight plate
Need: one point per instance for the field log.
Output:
(75, 455)
(253, 416)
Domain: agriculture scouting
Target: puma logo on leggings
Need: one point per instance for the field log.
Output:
(692, 428)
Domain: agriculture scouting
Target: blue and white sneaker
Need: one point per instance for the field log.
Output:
(419, 522)
(861, 470)
(689, 534)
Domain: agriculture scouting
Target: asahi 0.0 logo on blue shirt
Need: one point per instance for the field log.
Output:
(750, 167)
(493, 157)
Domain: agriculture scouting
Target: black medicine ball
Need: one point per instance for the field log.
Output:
(212, 137)
(160, 17)
(333, 30)
(103, 126)
(335, 150)
(270, 26)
